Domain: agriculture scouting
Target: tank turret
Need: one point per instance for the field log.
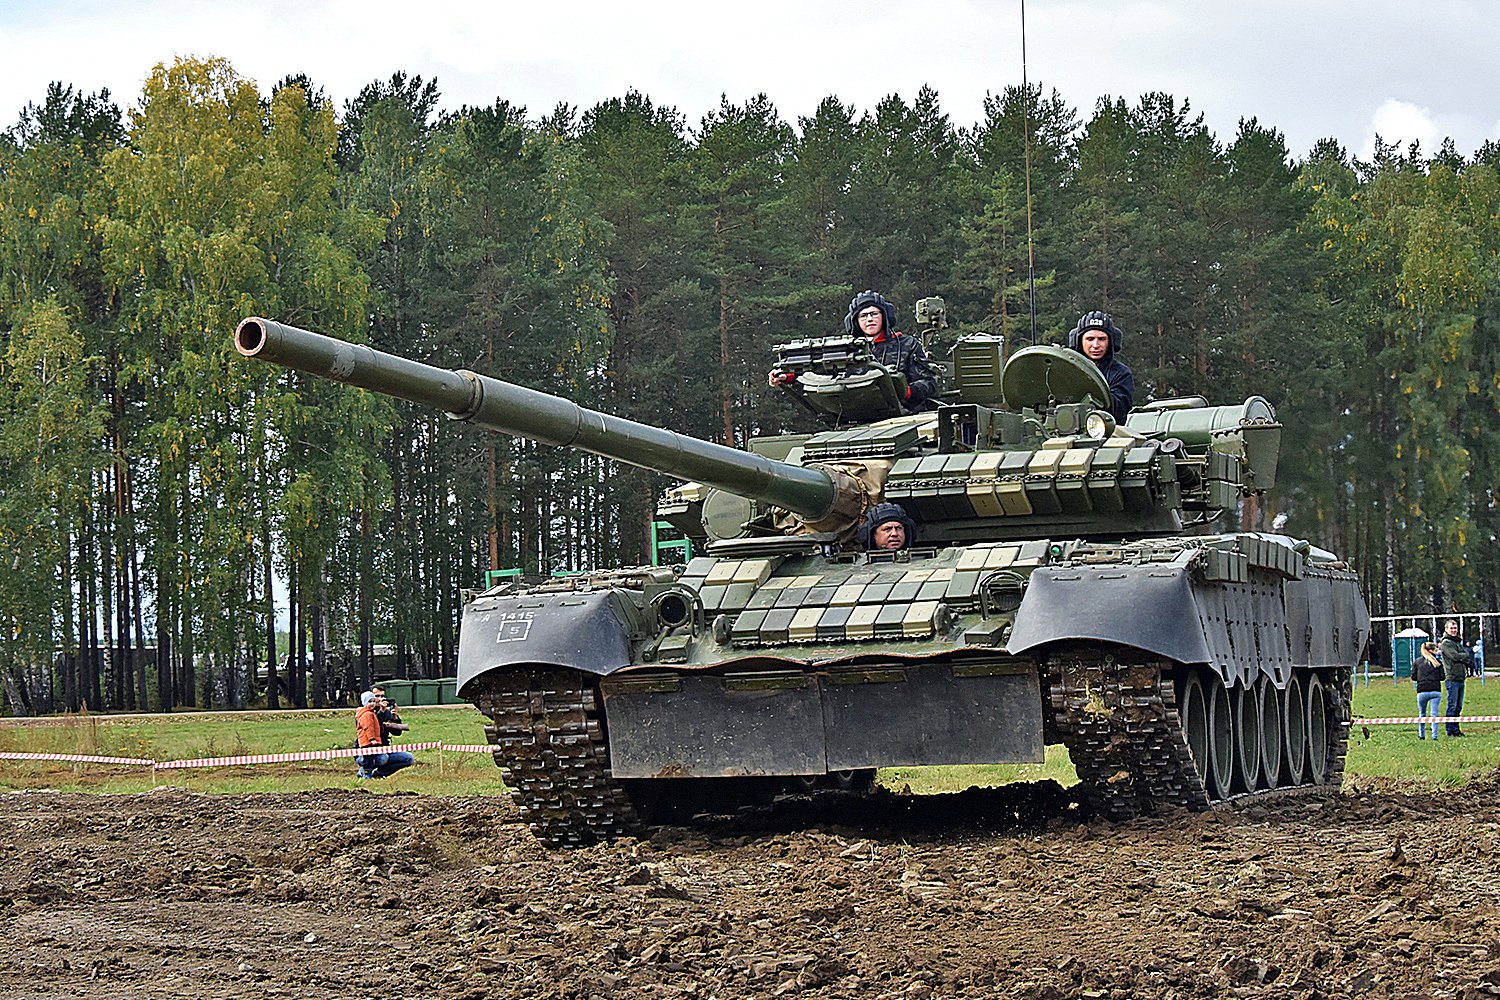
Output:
(1041, 456)
(1018, 449)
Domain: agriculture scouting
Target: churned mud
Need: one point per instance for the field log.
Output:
(1384, 892)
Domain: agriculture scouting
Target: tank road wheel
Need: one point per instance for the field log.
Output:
(1220, 737)
(1294, 714)
(1317, 730)
(1247, 737)
(1193, 706)
(1271, 736)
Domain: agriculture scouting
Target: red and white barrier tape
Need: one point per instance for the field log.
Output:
(1407, 720)
(242, 759)
(287, 758)
(79, 758)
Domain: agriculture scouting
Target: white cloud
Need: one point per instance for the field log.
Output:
(1400, 123)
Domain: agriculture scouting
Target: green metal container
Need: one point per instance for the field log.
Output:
(426, 692)
(1406, 649)
(399, 691)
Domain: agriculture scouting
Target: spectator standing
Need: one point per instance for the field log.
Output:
(1456, 659)
(1427, 674)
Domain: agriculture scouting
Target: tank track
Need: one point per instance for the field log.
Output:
(1120, 722)
(549, 743)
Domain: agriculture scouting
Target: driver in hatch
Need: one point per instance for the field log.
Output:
(887, 528)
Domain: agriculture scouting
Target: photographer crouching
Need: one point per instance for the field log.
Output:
(374, 722)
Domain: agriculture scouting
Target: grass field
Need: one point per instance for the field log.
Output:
(1395, 751)
(222, 734)
(1374, 751)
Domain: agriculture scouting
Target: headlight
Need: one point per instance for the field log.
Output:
(1099, 425)
(672, 610)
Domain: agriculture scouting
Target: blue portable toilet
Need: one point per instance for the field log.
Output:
(1406, 646)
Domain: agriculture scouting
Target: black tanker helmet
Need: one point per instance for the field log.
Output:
(1096, 320)
(880, 514)
(863, 301)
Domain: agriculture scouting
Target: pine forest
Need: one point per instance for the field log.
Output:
(159, 497)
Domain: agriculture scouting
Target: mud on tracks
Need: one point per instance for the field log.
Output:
(1380, 891)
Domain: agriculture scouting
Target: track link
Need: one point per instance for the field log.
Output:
(549, 743)
(1342, 689)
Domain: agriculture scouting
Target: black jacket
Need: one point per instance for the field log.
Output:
(1121, 382)
(904, 354)
(1428, 676)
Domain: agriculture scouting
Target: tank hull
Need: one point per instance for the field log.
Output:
(1156, 674)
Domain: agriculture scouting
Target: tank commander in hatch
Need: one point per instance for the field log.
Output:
(1097, 338)
(887, 527)
(874, 316)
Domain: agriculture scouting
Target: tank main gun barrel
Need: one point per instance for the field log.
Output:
(488, 402)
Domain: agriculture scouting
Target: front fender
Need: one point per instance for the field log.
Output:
(1149, 607)
(588, 631)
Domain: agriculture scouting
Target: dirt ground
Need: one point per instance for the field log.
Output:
(1374, 892)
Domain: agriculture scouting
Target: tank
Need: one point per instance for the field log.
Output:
(1071, 581)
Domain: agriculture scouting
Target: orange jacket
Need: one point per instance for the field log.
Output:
(367, 727)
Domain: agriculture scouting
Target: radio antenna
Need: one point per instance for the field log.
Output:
(1026, 124)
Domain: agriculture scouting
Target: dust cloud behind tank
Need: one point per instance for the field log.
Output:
(1072, 581)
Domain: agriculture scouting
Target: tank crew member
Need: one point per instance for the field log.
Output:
(1097, 338)
(1456, 657)
(874, 316)
(888, 527)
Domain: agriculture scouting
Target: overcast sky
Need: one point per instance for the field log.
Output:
(1311, 69)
